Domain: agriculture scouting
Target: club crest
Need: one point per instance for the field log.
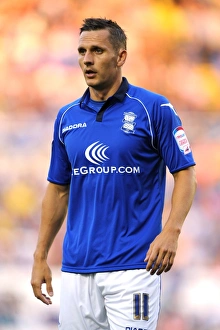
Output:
(129, 122)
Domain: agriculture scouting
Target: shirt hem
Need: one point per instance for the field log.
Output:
(90, 270)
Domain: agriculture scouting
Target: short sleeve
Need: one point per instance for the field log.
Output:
(172, 142)
(60, 167)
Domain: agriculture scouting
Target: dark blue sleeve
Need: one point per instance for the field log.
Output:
(60, 167)
(172, 142)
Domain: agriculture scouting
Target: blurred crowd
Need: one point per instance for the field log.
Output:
(173, 49)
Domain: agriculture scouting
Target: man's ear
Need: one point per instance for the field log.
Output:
(122, 55)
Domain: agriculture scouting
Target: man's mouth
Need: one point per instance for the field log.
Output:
(90, 73)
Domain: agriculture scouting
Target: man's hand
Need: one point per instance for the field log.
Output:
(161, 254)
(41, 273)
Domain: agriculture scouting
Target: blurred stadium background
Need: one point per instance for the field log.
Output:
(174, 49)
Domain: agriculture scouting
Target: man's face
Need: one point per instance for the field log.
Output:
(98, 59)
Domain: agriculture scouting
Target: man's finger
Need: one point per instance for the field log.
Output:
(39, 295)
(169, 264)
(46, 300)
(158, 265)
(49, 289)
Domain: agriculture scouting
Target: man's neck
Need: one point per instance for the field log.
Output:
(104, 94)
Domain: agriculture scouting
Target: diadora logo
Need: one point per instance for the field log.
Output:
(73, 126)
(95, 153)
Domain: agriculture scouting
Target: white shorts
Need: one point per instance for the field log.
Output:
(121, 300)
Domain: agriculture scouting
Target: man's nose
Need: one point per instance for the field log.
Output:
(88, 58)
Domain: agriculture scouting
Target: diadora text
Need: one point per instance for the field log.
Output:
(73, 126)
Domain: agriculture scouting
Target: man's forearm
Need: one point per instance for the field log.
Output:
(182, 198)
(54, 208)
(162, 251)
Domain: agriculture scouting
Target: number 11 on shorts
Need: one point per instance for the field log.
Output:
(141, 306)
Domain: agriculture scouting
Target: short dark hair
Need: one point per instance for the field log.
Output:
(117, 36)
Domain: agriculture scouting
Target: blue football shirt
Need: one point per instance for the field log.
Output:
(115, 162)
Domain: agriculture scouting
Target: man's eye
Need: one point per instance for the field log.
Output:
(81, 51)
(98, 51)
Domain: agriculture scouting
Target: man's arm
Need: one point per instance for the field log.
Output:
(162, 251)
(54, 209)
